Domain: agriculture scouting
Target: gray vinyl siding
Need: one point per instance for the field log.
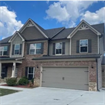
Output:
(84, 34)
(101, 45)
(67, 46)
(32, 33)
(17, 40)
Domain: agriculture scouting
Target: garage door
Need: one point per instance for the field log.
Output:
(70, 78)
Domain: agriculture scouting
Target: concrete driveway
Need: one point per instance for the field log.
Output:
(52, 96)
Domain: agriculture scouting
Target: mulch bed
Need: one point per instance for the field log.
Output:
(20, 86)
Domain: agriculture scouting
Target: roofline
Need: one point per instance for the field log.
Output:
(66, 57)
(76, 29)
(34, 25)
(15, 35)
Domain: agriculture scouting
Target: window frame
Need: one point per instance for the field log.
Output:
(14, 49)
(35, 44)
(83, 46)
(31, 73)
(2, 52)
(61, 48)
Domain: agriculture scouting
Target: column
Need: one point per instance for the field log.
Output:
(14, 69)
(0, 69)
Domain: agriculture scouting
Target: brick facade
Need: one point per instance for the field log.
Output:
(28, 62)
(38, 64)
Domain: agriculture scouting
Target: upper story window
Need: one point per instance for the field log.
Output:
(84, 45)
(17, 49)
(58, 48)
(35, 48)
(3, 50)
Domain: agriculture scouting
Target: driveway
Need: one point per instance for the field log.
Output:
(53, 96)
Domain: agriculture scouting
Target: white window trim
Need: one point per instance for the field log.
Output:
(3, 51)
(80, 46)
(34, 49)
(14, 49)
(55, 49)
(31, 73)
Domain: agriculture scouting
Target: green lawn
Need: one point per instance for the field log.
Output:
(6, 91)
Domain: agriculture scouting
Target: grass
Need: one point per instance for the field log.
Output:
(6, 91)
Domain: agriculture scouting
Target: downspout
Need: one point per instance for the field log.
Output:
(97, 72)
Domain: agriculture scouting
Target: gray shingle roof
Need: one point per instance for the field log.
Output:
(68, 57)
(5, 40)
(103, 60)
(59, 33)
(52, 32)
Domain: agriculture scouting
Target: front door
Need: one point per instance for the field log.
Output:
(4, 72)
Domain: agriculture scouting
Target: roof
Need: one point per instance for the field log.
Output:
(103, 60)
(5, 40)
(68, 57)
(58, 33)
(8, 58)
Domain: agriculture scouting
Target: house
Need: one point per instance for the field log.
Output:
(60, 58)
(103, 71)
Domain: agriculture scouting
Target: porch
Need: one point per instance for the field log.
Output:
(8, 67)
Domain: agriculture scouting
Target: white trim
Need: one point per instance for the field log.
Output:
(14, 49)
(33, 73)
(98, 44)
(70, 46)
(14, 35)
(23, 44)
(77, 28)
(61, 48)
(23, 27)
(82, 46)
(35, 48)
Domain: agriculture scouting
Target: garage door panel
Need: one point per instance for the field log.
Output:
(73, 78)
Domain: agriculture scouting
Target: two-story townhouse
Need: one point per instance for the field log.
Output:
(58, 58)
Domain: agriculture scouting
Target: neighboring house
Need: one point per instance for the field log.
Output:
(103, 71)
(59, 58)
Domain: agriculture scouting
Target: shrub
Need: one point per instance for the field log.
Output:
(23, 81)
(11, 81)
(32, 81)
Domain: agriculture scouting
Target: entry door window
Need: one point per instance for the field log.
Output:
(31, 73)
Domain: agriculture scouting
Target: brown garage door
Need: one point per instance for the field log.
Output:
(71, 78)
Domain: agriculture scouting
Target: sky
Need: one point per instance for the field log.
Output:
(48, 14)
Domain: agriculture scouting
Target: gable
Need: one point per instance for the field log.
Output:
(17, 39)
(30, 23)
(15, 35)
(31, 33)
(83, 26)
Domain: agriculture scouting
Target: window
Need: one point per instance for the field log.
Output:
(3, 50)
(35, 48)
(17, 49)
(30, 73)
(84, 45)
(58, 48)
